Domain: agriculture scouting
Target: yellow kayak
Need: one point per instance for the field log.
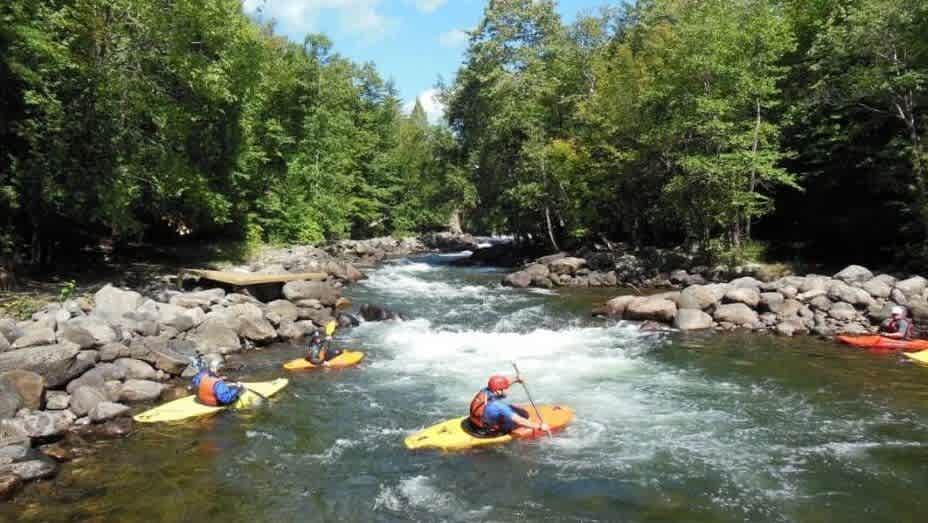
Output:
(917, 357)
(189, 407)
(345, 359)
(451, 434)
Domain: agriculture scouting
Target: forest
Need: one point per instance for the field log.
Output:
(797, 125)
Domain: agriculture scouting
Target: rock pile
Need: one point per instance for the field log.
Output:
(853, 301)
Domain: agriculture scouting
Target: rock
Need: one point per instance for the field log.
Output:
(771, 300)
(616, 306)
(853, 295)
(112, 303)
(40, 424)
(176, 317)
(301, 290)
(813, 283)
(10, 400)
(918, 309)
(519, 280)
(175, 357)
(76, 335)
(4, 345)
(769, 319)
(842, 311)
(57, 400)
(699, 297)
(9, 330)
(737, 314)
(84, 399)
(215, 337)
(284, 309)
(113, 389)
(252, 324)
(34, 338)
(810, 295)
(897, 296)
(377, 313)
(136, 369)
(692, 319)
(107, 410)
(9, 485)
(821, 303)
(29, 385)
(56, 363)
(854, 274)
(30, 470)
(746, 295)
(854, 329)
(790, 327)
(647, 308)
(289, 331)
(912, 287)
(877, 288)
(789, 292)
(746, 282)
(102, 333)
(140, 390)
(566, 265)
(112, 351)
(320, 317)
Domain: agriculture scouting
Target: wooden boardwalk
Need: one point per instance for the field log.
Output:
(244, 279)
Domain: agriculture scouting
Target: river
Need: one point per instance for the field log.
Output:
(669, 427)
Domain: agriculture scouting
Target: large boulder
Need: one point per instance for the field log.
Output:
(84, 399)
(58, 363)
(112, 303)
(854, 274)
(34, 338)
(322, 291)
(179, 318)
(140, 390)
(746, 295)
(10, 330)
(173, 357)
(877, 288)
(29, 385)
(912, 287)
(790, 327)
(76, 334)
(692, 319)
(251, 323)
(4, 345)
(40, 424)
(112, 351)
(57, 400)
(518, 279)
(648, 308)
(746, 282)
(30, 469)
(616, 306)
(842, 311)
(787, 308)
(10, 400)
(918, 308)
(107, 410)
(770, 300)
(136, 369)
(215, 336)
(284, 310)
(813, 282)
(855, 296)
(737, 314)
(567, 265)
(98, 328)
(699, 297)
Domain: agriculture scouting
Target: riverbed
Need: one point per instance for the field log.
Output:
(669, 427)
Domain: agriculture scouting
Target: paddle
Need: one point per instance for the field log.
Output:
(529, 394)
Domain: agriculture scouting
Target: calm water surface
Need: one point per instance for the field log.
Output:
(669, 427)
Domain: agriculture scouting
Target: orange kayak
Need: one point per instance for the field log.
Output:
(880, 342)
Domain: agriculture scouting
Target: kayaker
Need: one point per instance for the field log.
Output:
(213, 389)
(490, 416)
(898, 326)
(319, 351)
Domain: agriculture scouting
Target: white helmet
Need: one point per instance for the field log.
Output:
(214, 365)
(898, 310)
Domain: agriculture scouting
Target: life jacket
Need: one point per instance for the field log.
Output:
(206, 393)
(478, 406)
(893, 326)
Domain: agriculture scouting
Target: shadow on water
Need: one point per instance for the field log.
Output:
(670, 427)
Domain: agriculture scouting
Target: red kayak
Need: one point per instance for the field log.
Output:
(880, 342)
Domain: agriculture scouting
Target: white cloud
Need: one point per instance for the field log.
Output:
(429, 6)
(361, 17)
(453, 38)
(434, 109)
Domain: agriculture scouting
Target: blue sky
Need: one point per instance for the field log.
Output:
(411, 41)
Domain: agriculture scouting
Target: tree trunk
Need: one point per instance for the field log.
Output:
(753, 185)
(550, 229)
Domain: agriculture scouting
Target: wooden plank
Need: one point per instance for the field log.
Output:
(244, 279)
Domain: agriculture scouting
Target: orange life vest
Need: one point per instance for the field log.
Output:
(206, 393)
(478, 406)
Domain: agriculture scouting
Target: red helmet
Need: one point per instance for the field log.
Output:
(498, 383)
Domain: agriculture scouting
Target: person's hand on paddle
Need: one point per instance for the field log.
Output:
(544, 427)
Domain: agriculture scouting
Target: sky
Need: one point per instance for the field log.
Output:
(412, 42)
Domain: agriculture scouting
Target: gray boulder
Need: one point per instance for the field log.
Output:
(842, 311)
(854, 274)
(29, 385)
(567, 265)
(301, 290)
(616, 306)
(648, 308)
(58, 364)
(289, 331)
(699, 297)
(10, 400)
(284, 309)
(918, 308)
(518, 279)
(112, 303)
(76, 335)
(10, 330)
(692, 319)
(746, 282)
(737, 314)
(40, 424)
(136, 369)
(746, 295)
(251, 323)
(897, 296)
(877, 288)
(57, 400)
(4, 345)
(140, 390)
(84, 399)
(771, 300)
(98, 328)
(35, 338)
(107, 410)
(31, 469)
(174, 358)
(112, 351)
(790, 327)
(853, 295)
(821, 303)
(813, 283)
(215, 337)
(912, 287)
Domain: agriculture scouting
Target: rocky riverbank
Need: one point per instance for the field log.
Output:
(76, 371)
